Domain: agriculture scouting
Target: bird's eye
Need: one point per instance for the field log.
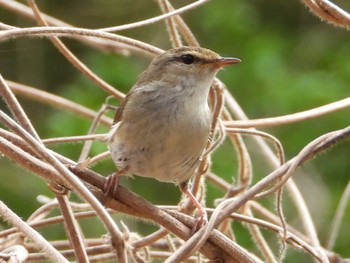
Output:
(187, 59)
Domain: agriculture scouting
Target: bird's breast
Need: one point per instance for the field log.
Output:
(163, 139)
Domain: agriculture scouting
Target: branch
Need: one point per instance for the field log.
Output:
(41, 242)
(230, 205)
(142, 47)
(291, 118)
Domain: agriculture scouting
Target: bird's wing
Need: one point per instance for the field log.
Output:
(119, 113)
(139, 83)
(118, 116)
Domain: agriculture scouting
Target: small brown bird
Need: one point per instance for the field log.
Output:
(162, 127)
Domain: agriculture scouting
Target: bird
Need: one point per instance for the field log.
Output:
(162, 127)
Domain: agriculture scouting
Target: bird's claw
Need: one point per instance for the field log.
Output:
(201, 221)
(110, 187)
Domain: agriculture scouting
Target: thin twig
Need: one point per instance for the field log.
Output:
(74, 139)
(288, 119)
(71, 225)
(170, 24)
(279, 209)
(56, 101)
(149, 211)
(117, 236)
(229, 206)
(43, 211)
(41, 242)
(337, 220)
(292, 188)
(259, 239)
(155, 19)
(25, 11)
(272, 218)
(274, 140)
(5, 26)
(329, 12)
(27, 160)
(292, 239)
(150, 239)
(73, 59)
(142, 47)
(16, 109)
(184, 29)
(93, 126)
(245, 172)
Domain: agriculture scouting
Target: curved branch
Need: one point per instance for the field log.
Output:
(72, 32)
(230, 205)
(287, 119)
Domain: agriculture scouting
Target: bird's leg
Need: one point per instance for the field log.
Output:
(202, 216)
(111, 185)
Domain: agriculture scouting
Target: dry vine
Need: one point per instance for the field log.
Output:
(173, 242)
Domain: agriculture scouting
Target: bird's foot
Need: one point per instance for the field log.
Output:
(202, 216)
(201, 220)
(111, 186)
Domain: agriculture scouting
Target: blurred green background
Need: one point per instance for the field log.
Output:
(291, 61)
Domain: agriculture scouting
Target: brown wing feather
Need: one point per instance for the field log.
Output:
(119, 113)
(142, 79)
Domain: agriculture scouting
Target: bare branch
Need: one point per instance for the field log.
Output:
(41, 242)
(229, 206)
(295, 117)
(142, 47)
(339, 214)
(71, 226)
(16, 108)
(56, 101)
(329, 12)
(117, 236)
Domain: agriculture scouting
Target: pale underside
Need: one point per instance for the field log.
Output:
(161, 137)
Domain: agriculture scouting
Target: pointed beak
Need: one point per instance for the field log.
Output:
(223, 62)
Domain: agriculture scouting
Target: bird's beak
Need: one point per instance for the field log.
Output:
(223, 62)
